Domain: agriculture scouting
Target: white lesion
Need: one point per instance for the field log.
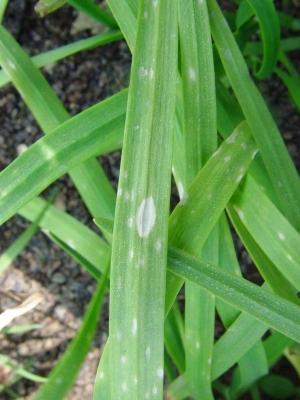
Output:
(134, 327)
(130, 222)
(158, 245)
(148, 353)
(131, 254)
(146, 72)
(281, 236)
(160, 373)
(145, 217)
(124, 387)
(192, 73)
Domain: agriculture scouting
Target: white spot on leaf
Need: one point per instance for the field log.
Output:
(192, 74)
(158, 245)
(281, 236)
(160, 373)
(131, 254)
(130, 222)
(154, 390)
(124, 387)
(134, 327)
(145, 217)
(148, 353)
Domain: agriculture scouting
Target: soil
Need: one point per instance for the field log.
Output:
(79, 81)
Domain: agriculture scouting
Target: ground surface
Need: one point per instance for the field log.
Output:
(79, 81)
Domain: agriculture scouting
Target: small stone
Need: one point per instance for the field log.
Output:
(58, 278)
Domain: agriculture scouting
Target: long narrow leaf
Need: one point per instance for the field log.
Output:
(49, 113)
(64, 373)
(275, 155)
(200, 137)
(140, 244)
(52, 56)
(265, 12)
(21, 242)
(77, 140)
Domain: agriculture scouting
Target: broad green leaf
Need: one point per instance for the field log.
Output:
(64, 373)
(274, 154)
(85, 135)
(50, 113)
(60, 53)
(139, 246)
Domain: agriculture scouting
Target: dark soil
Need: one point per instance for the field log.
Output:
(79, 81)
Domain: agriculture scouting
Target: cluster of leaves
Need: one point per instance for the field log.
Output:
(192, 109)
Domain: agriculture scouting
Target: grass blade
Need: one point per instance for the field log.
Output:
(3, 5)
(21, 242)
(191, 223)
(60, 53)
(267, 307)
(50, 113)
(267, 269)
(92, 9)
(200, 136)
(268, 20)
(125, 13)
(44, 7)
(63, 375)
(275, 155)
(139, 246)
(280, 240)
(78, 237)
(77, 140)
